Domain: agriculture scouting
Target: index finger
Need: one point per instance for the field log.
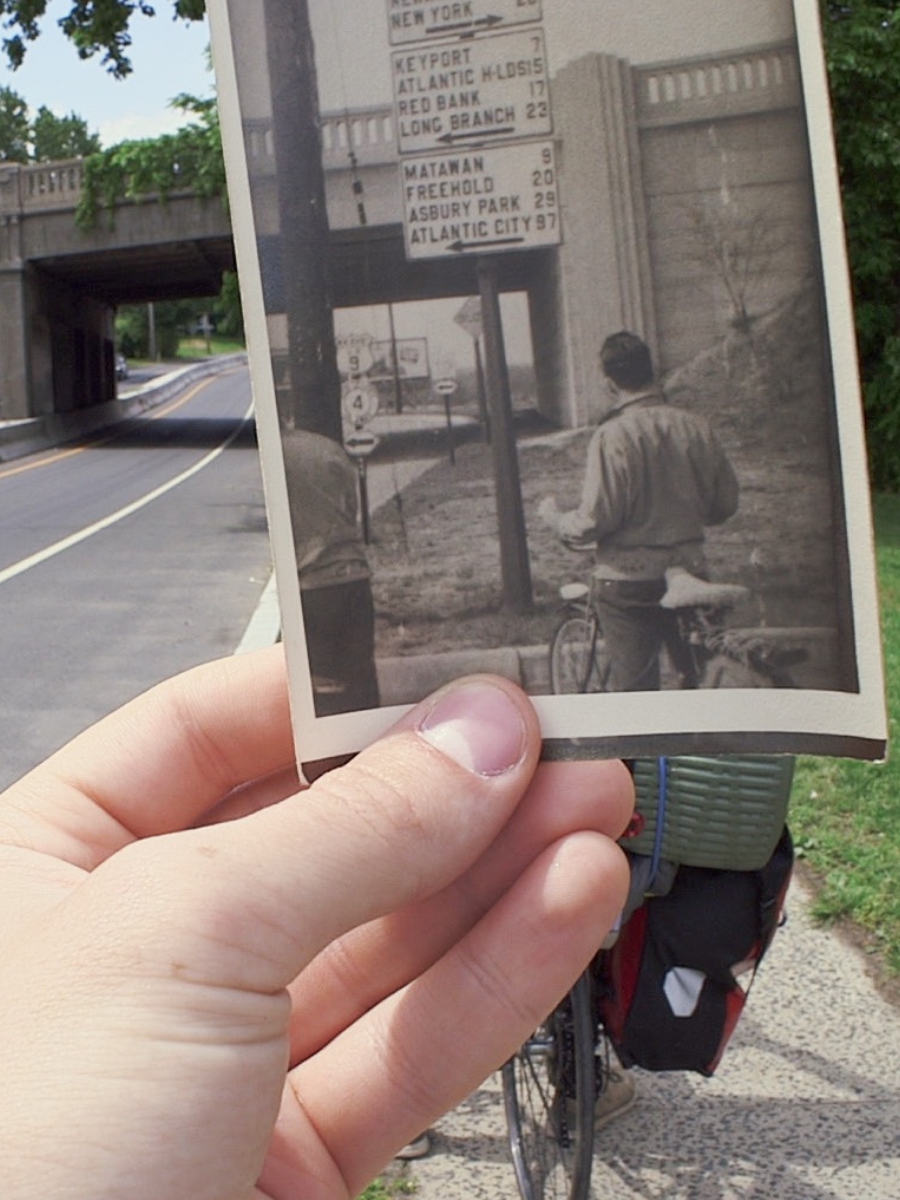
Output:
(157, 764)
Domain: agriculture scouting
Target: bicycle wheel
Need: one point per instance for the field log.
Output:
(578, 659)
(548, 1094)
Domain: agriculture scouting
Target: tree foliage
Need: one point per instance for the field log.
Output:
(15, 127)
(44, 138)
(54, 137)
(863, 52)
(94, 27)
(189, 159)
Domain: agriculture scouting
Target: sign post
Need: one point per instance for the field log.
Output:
(469, 319)
(478, 177)
(447, 389)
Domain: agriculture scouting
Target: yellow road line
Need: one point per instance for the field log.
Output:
(164, 410)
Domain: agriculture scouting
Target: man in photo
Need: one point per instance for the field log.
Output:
(656, 477)
(335, 581)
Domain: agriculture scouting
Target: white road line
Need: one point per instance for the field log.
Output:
(264, 628)
(35, 560)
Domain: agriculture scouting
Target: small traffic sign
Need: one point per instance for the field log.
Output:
(469, 317)
(360, 404)
(445, 387)
(361, 445)
(354, 354)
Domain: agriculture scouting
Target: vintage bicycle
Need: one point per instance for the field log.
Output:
(706, 651)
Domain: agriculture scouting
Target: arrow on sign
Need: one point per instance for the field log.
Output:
(460, 247)
(461, 26)
(449, 138)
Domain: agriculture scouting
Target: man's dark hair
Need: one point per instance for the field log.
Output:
(626, 360)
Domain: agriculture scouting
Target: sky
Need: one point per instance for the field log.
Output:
(168, 56)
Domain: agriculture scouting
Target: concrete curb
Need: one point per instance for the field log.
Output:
(30, 436)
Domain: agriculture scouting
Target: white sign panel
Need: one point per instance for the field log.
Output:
(484, 90)
(495, 199)
(419, 20)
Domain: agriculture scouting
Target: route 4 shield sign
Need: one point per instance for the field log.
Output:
(360, 404)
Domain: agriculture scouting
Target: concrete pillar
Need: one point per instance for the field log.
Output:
(605, 275)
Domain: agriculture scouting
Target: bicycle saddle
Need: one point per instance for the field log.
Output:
(684, 590)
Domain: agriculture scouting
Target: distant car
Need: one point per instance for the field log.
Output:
(121, 366)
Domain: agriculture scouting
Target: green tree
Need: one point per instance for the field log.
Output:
(862, 40)
(54, 137)
(15, 128)
(227, 311)
(189, 159)
(94, 27)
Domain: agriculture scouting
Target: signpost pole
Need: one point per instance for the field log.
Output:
(482, 392)
(363, 498)
(514, 562)
(395, 363)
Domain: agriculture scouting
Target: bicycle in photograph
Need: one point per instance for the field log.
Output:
(707, 652)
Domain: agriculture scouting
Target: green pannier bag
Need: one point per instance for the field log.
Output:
(724, 812)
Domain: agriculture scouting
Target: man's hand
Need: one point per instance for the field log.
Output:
(218, 985)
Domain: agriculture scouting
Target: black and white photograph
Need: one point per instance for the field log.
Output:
(554, 370)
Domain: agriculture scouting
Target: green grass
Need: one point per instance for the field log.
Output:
(845, 815)
(389, 1189)
(191, 348)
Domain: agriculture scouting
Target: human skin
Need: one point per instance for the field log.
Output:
(221, 984)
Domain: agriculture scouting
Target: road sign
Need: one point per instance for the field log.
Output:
(477, 92)
(361, 445)
(359, 404)
(421, 20)
(482, 201)
(445, 387)
(469, 317)
(354, 354)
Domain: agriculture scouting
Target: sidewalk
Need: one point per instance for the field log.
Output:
(806, 1104)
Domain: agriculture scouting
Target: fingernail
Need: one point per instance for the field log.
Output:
(478, 726)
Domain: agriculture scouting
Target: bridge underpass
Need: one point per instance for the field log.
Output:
(60, 285)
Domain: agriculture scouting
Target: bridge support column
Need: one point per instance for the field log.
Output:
(15, 398)
(57, 349)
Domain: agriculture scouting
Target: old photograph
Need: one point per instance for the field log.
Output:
(553, 361)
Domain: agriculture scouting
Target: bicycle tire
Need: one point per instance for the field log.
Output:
(578, 661)
(549, 1088)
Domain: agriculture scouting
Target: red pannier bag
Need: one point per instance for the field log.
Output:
(673, 986)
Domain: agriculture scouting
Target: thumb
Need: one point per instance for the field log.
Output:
(247, 904)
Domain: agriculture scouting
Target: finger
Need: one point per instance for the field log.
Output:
(254, 900)
(355, 972)
(424, 1049)
(158, 763)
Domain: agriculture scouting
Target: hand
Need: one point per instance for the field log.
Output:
(221, 985)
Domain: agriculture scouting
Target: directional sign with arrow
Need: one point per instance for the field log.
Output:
(472, 92)
(421, 20)
(489, 200)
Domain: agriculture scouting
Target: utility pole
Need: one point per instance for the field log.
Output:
(514, 562)
(314, 381)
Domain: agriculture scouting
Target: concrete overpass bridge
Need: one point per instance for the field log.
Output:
(60, 286)
(638, 149)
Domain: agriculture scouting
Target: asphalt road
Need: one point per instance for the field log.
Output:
(124, 560)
